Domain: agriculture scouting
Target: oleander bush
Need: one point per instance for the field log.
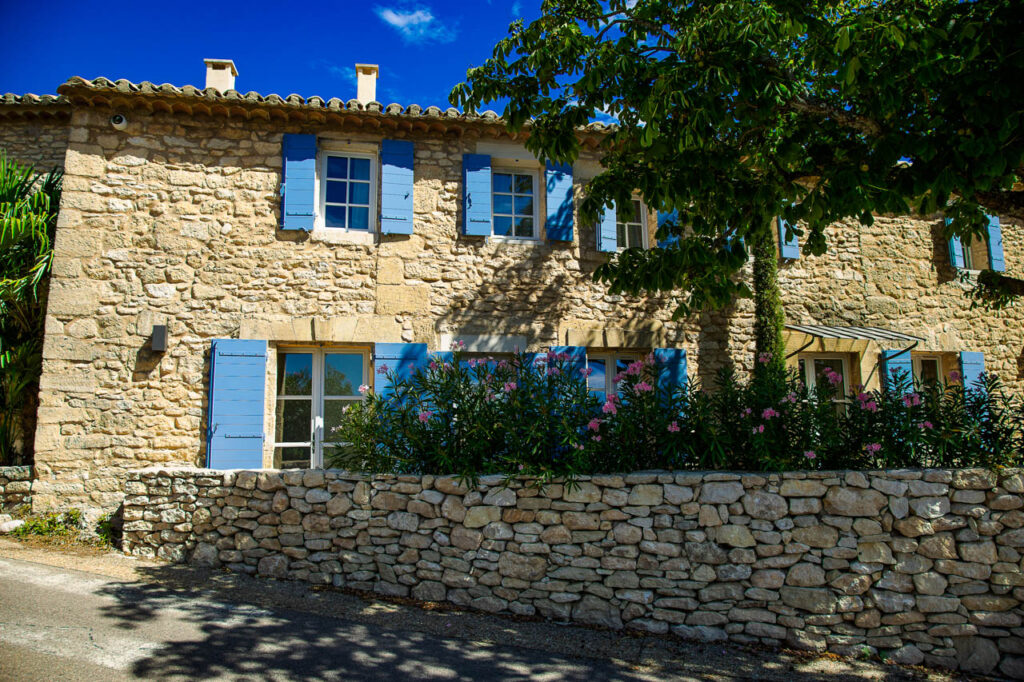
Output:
(534, 416)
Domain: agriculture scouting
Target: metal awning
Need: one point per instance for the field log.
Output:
(863, 333)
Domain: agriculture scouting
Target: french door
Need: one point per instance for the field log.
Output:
(313, 388)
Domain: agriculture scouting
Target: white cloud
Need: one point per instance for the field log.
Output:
(417, 26)
(517, 9)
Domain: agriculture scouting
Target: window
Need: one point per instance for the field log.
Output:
(514, 209)
(348, 193)
(313, 388)
(604, 367)
(976, 254)
(631, 226)
(814, 370)
(927, 369)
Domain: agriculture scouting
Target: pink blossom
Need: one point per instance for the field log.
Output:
(433, 364)
(619, 377)
(520, 467)
(769, 413)
(872, 448)
(412, 367)
(643, 387)
(510, 386)
(911, 399)
(870, 406)
(383, 369)
(586, 371)
(596, 439)
(595, 424)
(791, 398)
(649, 360)
(363, 389)
(503, 364)
(758, 429)
(458, 345)
(926, 425)
(578, 446)
(563, 356)
(635, 368)
(554, 370)
(609, 408)
(764, 358)
(955, 376)
(425, 416)
(810, 454)
(864, 397)
(834, 378)
(673, 427)
(747, 412)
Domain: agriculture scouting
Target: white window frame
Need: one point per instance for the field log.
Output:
(609, 358)
(810, 379)
(320, 223)
(969, 255)
(534, 173)
(643, 225)
(917, 366)
(316, 445)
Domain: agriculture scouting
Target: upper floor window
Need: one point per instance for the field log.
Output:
(927, 369)
(631, 225)
(976, 254)
(605, 368)
(514, 206)
(825, 371)
(348, 191)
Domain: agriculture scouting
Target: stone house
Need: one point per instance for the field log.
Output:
(230, 267)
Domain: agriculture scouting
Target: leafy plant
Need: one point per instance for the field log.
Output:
(57, 524)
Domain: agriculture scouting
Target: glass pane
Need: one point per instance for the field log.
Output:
(524, 206)
(822, 366)
(929, 371)
(503, 203)
(636, 211)
(359, 218)
(343, 373)
(620, 234)
(635, 236)
(293, 421)
(334, 413)
(337, 192)
(295, 374)
(803, 370)
(334, 216)
(291, 458)
(524, 184)
(502, 226)
(337, 167)
(524, 227)
(359, 193)
(501, 182)
(596, 380)
(360, 169)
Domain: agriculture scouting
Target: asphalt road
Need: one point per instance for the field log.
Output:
(57, 623)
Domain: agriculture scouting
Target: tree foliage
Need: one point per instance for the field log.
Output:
(28, 218)
(732, 113)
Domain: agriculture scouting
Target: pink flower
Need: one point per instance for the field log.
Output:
(433, 364)
(510, 386)
(810, 454)
(586, 371)
(595, 424)
(747, 412)
(911, 399)
(596, 439)
(955, 376)
(619, 377)
(791, 398)
(458, 345)
(870, 406)
(643, 387)
(764, 358)
(864, 397)
(834, 378)
(872, 448)
(635, 368)
(553, 370)
(383, 369)
(769, 413)
(758, 429)
(609, 408)
(563, 356)
(520, 467)
(412, 367)
(425, 416)
(673, 427)
(503, 364)
(926, 425)
(649, 360)
(363, 389)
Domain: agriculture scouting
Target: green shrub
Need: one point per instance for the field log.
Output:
(57, 524)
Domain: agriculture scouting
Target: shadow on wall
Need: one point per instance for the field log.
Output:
(944, 270)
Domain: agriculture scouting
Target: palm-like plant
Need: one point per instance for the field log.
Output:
(28, 218)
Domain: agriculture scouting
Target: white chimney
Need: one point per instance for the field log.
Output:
(220, 74)
(366, 83)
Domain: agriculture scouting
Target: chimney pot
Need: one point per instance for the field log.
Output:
(366, 83)
(220, 74)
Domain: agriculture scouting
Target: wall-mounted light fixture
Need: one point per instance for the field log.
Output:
(159, 340)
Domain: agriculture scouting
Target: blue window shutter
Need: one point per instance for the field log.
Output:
(788, 248)
(404, 359)
(476, 195)
(298, 182)
(672, 239)
(671, 367)
(558, 183)
(607, 237)
(577, 356)
(972, 366)
(396, 186)
(898, 362)
(996, 259)
(956, 251)
(238, 379)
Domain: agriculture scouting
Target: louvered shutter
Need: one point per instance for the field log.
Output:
(607, 237)
(672, 239)
(577, 356)
(403, 359)
(896, 364)
(671, 368)
(238, 376)
(996, 259)
(972, 366)
(298, 182)
(396, 186)
(956, 251)
(558, 183)
(788, 247)
(476, 195)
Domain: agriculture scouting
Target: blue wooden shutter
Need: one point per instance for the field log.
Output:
(238, 379)
(996, 259)
(672, 239)
(404, 359)
(956, 251)
(899, 362)
(558, 182)
(396, 186)
(298, 182)
(476, 195)
(577, 356)
(607, 237)
(671, 367)
(788, 248)
(972, 366)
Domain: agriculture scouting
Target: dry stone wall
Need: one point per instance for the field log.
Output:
(39, 143)
(921, 566)
(15, 487)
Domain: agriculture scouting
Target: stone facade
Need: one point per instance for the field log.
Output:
(15, 488)
(920, 566)
(39, 143)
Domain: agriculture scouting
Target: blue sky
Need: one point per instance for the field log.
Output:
(308, 48)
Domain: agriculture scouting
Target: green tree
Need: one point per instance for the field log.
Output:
(28, 218)
(733, 113)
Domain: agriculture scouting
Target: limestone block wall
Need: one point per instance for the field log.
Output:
(15, 487)
(921, 566)
(38, 142)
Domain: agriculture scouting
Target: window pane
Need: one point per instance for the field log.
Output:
(337, 167)
(343, 373)
(637, 212)
(524, 184)
(524, 227)
(291, 458)
(635, 236)
(360, 169)
(334, 413)
(501, 182)
(359, 218)
(293, 421)
(502, 226)
(596, 380)
(359, 193)
(334, 216)
(803, 369)
(524, 206)
(620, 234)
(295, 374)
(929, 370)
(503, 203)
(836, 365)
(337, 192)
